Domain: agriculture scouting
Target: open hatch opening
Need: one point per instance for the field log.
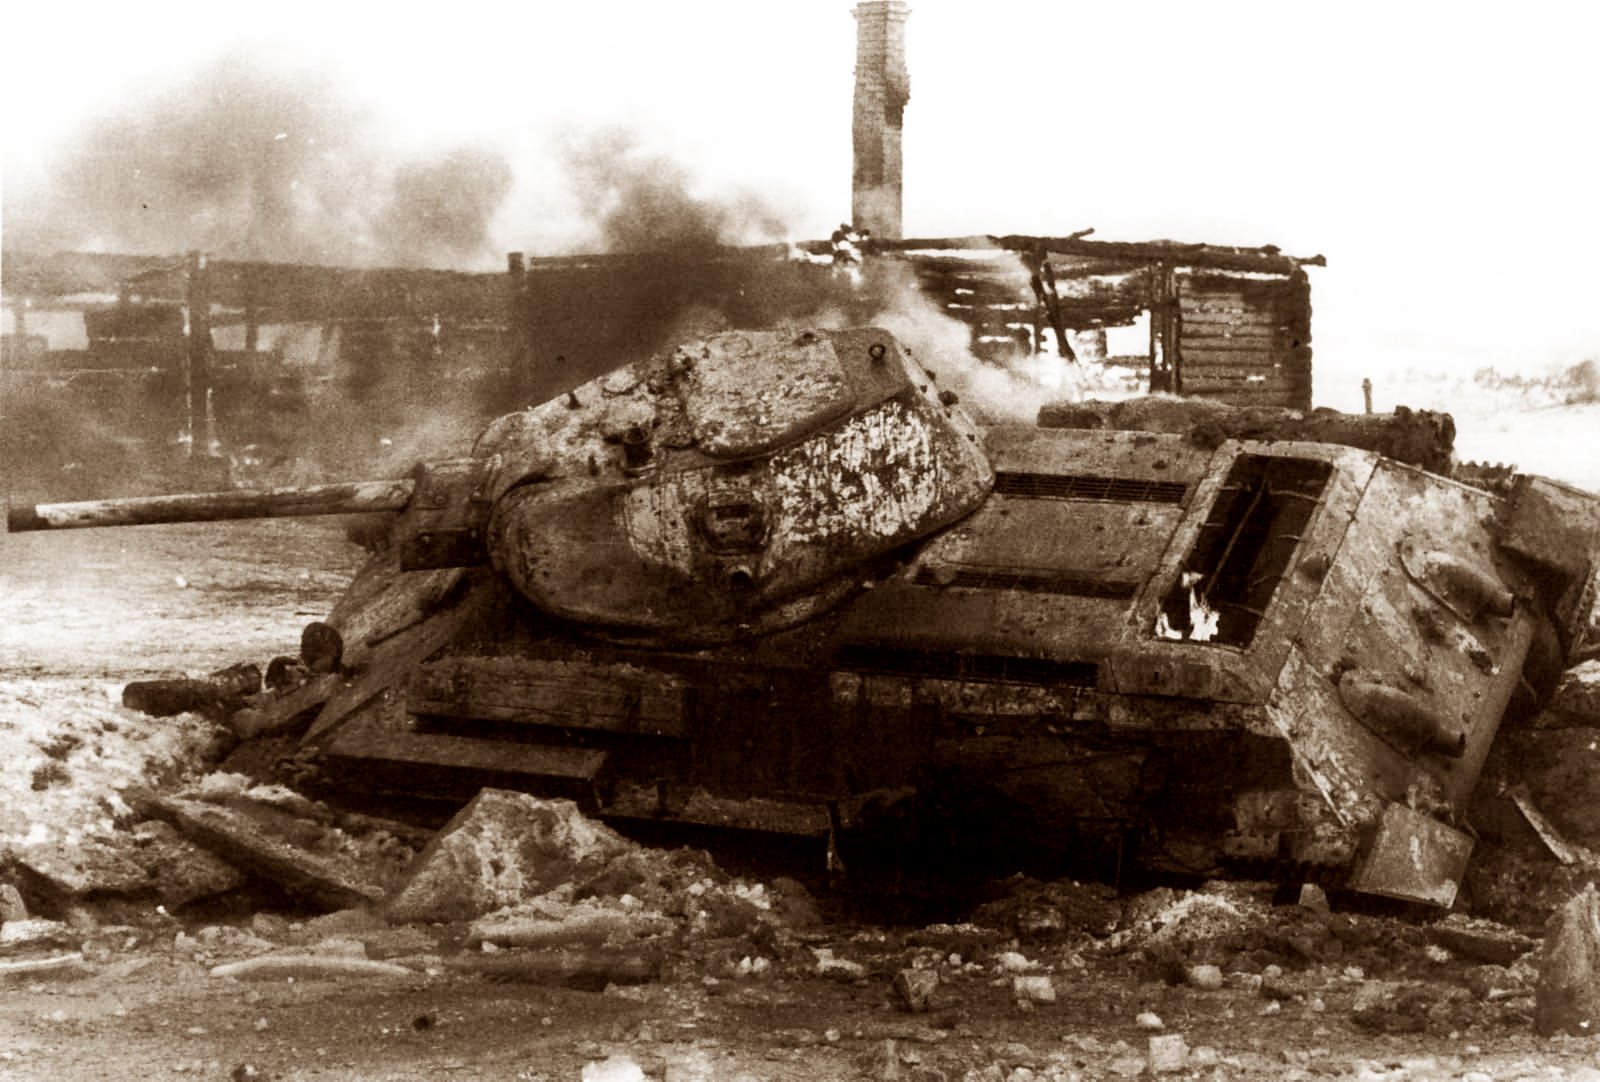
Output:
(1244, 549)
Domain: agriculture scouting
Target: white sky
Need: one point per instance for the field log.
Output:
(1445, 157)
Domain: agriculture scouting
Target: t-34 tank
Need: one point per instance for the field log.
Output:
(775, 573)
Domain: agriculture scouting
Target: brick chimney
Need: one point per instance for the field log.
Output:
(882, 89)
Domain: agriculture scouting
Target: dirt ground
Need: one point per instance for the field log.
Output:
(1303, 994)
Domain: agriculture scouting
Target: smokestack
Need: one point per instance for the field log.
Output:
(882, 89)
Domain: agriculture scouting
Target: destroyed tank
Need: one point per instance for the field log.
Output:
(781, 581)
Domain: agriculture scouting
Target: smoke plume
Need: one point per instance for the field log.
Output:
(252, 163)
(639, 201)
(443, 207)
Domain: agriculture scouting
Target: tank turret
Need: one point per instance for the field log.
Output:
(730, 487)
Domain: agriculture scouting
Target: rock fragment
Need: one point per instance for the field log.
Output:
(1169, 1052)
(839, 969)
(1577, 695)
(12, 907)
(33, 933)
(914, 988)
(1037, 988)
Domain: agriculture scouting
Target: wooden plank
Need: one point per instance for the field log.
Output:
(1216, 306)
(1192, 376)
(557, 692)
(1279, 397)
(1256, 352)
(1227, 351)
(379, 735)
(1239, 370)
(1222, 376)
(1242, 393)
(1225, 354)
(274, 712)
(392, 660)
(1244, 327)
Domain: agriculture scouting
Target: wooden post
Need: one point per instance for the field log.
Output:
(1366, 393)
(516, 312)
(252, 311)
(1164, 375)
(199, 355)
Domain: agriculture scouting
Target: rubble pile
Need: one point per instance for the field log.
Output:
(511, 879)
(524, 890)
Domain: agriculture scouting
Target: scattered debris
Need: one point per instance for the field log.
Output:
(552, 924)
(60, 965)
(217, 695)
(276, 967)
(1564, 851)
(590, 970)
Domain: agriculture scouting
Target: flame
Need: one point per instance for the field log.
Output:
(1204, 620)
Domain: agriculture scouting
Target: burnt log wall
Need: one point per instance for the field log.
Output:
(1245, 340)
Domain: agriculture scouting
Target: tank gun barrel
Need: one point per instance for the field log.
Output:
(289, 502)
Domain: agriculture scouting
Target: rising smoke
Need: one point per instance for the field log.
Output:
(252, 163)
(642, 201)
(248, 162)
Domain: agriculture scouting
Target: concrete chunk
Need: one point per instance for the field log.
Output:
(501, 849)
(256, 844)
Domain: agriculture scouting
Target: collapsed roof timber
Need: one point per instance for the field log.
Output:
(1214, 321)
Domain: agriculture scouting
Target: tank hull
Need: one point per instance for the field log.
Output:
(1283, 656)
